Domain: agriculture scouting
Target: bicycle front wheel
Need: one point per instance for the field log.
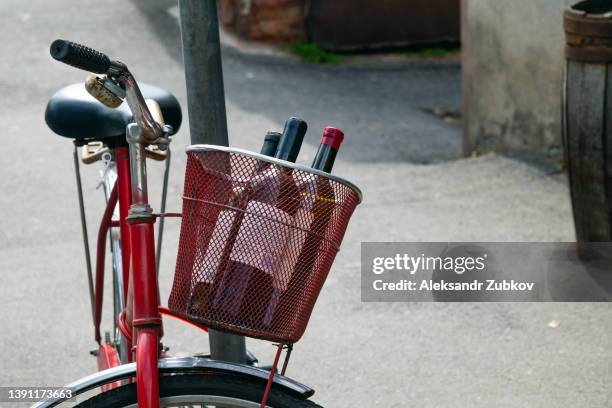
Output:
(203, 390)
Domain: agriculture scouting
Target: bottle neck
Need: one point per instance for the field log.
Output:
(270, 144)
(291, 141)
(324, 159)
(268, 149)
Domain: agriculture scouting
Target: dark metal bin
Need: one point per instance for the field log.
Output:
(587, 117)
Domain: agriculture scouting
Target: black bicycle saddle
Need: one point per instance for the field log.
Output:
(72, 112)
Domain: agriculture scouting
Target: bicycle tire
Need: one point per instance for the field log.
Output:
(206, 386)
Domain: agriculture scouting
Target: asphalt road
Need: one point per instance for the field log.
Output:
(353, 354)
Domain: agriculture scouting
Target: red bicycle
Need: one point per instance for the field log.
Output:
(296, 253)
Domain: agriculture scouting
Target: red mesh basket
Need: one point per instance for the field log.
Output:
(258, 238)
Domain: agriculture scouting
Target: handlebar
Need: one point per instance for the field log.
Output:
(80, 56)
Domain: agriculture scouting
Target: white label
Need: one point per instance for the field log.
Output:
(262, 236)
(216, 246)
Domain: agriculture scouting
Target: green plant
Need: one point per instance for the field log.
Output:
(310, 52)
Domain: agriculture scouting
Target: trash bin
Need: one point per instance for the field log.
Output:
(587, 117)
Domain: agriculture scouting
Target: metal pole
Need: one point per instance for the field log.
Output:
(203, 72)
(207, 120)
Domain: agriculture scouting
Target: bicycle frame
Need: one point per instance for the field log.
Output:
(143, 297)
(119, 195)
(140, 296)
(140, 293)
(140, 322)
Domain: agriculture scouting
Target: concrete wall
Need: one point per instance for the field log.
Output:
(512, 69)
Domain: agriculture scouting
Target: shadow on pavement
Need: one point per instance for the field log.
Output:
(382, 109)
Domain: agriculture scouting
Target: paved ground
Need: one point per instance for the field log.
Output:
(354, 354)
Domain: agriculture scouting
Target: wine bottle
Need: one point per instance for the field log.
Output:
(247, 282)
(317, 206)
(269, 148)
(225, 231)
(331, 140)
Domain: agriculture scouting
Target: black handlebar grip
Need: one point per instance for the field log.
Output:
(80, 56)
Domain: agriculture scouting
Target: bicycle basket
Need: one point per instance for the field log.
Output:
(258, 238)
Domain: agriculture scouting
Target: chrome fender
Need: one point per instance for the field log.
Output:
(179, 365)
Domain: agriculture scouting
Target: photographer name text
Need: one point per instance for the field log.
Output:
(453, 267)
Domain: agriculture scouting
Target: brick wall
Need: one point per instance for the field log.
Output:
(277, 21)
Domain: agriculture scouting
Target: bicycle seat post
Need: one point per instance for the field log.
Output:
(140, 201)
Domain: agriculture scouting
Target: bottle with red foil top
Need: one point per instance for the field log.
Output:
(331, 140)
(318, 200)
(225, 230)
(246, 286)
